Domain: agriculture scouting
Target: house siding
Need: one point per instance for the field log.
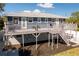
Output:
(30, 38)
(24, 23)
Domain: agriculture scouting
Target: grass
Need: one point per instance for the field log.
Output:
(78, 29)
(70, 52)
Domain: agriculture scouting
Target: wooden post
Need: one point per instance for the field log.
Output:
(76, 32)
(48, 39)
(36, 38)
(6, 43)
(36, 42)
(57, 40)
(23, 40)
(52, 41)
(3, 38)
(70, 29)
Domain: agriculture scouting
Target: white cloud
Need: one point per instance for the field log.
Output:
(35, 10)
(27, 11)
(46, 5)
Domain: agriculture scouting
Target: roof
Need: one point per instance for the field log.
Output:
(33, 14)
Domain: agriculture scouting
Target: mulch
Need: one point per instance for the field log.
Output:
(45, 50)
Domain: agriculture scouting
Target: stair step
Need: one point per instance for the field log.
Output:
(64, 37)
(75, 45)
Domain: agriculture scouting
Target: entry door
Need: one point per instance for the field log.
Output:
(15, 20)
(23, 22)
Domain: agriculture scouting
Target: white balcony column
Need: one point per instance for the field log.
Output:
(46, 21)
(26, 22)
(57, 22)
(48, 24)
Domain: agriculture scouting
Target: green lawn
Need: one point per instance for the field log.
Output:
(70, 52)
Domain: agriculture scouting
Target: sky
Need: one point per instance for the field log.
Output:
(63, 9)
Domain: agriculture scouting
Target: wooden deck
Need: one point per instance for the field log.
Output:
(57, 29)
(31, 31)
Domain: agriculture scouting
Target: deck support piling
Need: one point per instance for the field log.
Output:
(75, 35)
(36, 37)
(6, 41)
(76, 32)
(52, 41)
(48, 39)
(3, 38)
(57, 40)
(23, 40)
(36, 42)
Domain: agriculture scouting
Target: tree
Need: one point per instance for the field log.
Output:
(74, 18)
(75, 15)
(2, 7)
(1, 24)
(1, 10)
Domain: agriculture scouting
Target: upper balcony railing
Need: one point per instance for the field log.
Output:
(64, 26)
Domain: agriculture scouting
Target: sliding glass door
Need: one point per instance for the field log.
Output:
(23, 22)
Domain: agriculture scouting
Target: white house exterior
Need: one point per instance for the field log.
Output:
(21, 26)
(29, 19)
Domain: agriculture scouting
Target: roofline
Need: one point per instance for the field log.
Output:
(8, 14)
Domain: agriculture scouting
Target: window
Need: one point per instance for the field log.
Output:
(29, 19)
(35, 19)
(39, 19)
(23, 22)
(15, 20)
(10, 20)
(43, 19)
(19, 20)
(53, 19)
(46, 19)
(49, 19)
(61, 20)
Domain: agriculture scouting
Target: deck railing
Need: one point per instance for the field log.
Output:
(64, 26)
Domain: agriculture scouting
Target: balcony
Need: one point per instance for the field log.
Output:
(13, 27)
(42, 26)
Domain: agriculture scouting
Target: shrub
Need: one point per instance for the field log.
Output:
(78, 29)
(1, 24)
